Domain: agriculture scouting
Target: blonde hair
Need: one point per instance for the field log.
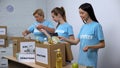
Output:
(39, 12)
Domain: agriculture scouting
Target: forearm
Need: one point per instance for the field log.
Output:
(51, 30)
(48, 35)
(73, 42)
(100, 45)
(25, 33)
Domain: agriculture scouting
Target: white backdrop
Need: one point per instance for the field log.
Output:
(18, 20)
(107, 12)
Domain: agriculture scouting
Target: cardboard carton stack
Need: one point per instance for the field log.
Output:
(5, 50)
(3, 36)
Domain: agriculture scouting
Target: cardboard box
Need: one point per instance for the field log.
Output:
(3, 41)
(22, 57)
(46, 54)
(68, 52)
(17, 44)
(4, 63)
(15, 41)
(3, 30)
(5, 51)
(15, 38)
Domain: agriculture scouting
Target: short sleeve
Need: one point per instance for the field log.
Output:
(99, 32)
(70, 30)
(31, 28)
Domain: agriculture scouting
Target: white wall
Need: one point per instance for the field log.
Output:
(108, 14)
(18, 20)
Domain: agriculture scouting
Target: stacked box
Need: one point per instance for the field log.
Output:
(46, 54)
(5, 52)
(4, 49)
(15, 41)
(3, 30)
(3, 36)
(20, 45)
(3, 41)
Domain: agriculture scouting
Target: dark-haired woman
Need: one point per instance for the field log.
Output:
(91, 37)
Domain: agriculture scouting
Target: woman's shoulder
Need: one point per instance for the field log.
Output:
(47, 22)
(97, 24)
(67, 24)
(35, 23)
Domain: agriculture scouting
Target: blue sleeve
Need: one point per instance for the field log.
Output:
(51, 25)
(99, 32)
(70, 30)
(31, 28)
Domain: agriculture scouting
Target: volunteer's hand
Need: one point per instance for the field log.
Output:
(85, 49)
(62, 38)
(40, 27)
(24, 33)
(42, 30)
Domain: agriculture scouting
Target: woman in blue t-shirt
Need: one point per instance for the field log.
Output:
(63, 29)
(90, 36)
(39, 24)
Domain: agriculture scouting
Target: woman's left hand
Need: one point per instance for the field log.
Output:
(85, 49)
(40, 27)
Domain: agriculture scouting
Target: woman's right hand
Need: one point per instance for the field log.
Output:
(62, 38)
(44, 31)
(24, 33)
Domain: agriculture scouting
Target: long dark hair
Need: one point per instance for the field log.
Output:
(89, 9)
(60, 11)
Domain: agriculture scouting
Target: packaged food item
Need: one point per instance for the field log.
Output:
(55, 39)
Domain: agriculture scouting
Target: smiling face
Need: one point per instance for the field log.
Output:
(83, 14)
(54, 17)
(38, 18)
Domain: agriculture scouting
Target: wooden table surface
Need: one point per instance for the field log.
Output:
(33, 65)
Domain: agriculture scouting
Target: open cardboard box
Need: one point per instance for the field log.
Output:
(46, 54)
(17, 43)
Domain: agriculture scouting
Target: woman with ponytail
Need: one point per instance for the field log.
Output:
(63, 29)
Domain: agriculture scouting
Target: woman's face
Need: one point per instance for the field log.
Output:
(55, 18)
(83, 14)
(39, 18)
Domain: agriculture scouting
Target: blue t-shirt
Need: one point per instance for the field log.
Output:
(64, 30)
(36, 32)
(89, 35)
